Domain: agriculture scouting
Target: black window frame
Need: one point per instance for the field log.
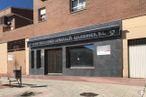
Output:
(80, 9)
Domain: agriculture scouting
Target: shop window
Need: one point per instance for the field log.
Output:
(32, 59)
(16, 45)
(77, 5)
(80, 56)
(38, 58)
(42, 14)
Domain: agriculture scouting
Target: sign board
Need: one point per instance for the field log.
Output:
(78, 37)
(104, 50)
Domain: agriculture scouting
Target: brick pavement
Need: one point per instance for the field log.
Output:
(67, 86)
(111, 80)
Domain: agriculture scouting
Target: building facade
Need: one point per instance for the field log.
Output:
(84, 38)
(134, 47)
(81, 51)
(13, 25)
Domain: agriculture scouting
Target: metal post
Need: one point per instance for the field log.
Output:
(20, 76)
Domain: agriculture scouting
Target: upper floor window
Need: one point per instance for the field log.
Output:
(5, 20)
(42, 14)
(77, 5)
(7, 23)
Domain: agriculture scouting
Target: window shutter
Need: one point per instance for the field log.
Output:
(1, 20)
(6, 19)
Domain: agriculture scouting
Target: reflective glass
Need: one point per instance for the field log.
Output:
(80, 55)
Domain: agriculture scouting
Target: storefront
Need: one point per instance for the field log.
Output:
(14, 54)
(89, 51)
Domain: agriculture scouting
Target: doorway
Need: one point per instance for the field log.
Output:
(53, 61)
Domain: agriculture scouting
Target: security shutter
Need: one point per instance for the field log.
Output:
(137, 58)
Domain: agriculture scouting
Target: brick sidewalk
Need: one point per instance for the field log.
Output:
(73, 86)
(110, 80)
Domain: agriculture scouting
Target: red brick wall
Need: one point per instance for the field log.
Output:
(20, 33)
(59, 17)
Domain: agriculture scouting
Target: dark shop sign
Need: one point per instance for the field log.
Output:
(83, 36)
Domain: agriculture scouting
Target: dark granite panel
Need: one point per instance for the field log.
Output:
(105, 65)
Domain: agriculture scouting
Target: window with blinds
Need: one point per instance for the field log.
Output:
(16, 45)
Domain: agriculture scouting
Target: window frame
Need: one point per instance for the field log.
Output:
(81, 9)
(16, 45)
(68, 64)
(39, 14)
